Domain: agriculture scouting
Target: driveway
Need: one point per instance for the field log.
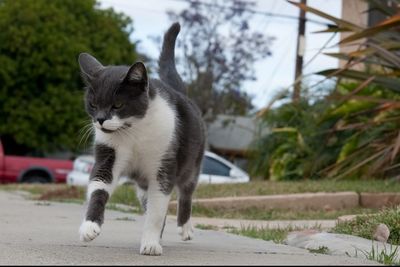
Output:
(34, 233)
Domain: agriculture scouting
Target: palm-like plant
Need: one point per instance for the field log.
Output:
(370, 111)
(355, 131)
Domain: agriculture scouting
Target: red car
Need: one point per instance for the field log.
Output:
(23, 169)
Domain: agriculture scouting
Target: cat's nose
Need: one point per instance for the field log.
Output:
(101, 120)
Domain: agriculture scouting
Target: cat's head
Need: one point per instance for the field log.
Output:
(115, 95)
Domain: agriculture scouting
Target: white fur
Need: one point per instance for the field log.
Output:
(152, 248)
(186, 231)
(98, 185)
(157, 205)
(141, 148)
(112, 124)
(88, 231)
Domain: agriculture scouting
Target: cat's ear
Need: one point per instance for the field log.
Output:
(89, 65)
(137, 74)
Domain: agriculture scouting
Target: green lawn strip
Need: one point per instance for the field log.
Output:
(259, 188)
(364, 226)
(34, 189)
(261, 214)
(255, 188)
(126, 195)
(64, 193)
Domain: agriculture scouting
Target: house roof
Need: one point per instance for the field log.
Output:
(233, 133)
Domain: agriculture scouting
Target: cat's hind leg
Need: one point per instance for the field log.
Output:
(185, 227)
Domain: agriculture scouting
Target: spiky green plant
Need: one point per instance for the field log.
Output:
(370, 110)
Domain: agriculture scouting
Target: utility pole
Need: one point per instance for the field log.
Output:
(301, 43)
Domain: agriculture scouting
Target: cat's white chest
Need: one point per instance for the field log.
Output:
(142, 146)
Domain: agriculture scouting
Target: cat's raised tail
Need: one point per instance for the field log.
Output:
(166, 63)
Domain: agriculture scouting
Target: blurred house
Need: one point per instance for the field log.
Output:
(232, 136)
(360, 13)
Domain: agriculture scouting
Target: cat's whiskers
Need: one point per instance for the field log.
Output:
(86, 121)
(90, 133)
(82, 131)
(86, 130)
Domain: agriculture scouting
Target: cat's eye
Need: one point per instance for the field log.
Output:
(117, 105)
(92, 105)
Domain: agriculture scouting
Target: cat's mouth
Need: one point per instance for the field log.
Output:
(104, 130)
(123, 127)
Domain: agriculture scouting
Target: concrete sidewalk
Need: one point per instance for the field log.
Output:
(32, 233)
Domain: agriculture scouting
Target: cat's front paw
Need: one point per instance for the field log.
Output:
(150, 248)
(88, 231)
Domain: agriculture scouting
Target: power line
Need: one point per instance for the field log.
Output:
(269, 21)
(282, 59)
(264, 13)
(320, 50)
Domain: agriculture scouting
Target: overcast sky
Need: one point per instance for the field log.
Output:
(273, 73)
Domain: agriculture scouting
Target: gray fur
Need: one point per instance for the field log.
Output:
(116, 84)
(104, 161)
(166, 62)
(109, 85)
(97, 205)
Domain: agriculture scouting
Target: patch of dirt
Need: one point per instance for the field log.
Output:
(63, 193)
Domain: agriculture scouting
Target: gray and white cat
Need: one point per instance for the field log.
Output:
(145, 129)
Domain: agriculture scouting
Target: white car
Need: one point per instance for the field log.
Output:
(216, 170)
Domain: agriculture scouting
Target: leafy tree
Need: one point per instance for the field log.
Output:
(41, 96)
(219, 52)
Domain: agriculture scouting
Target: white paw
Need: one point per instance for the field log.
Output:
(151, 248)
(88, 231)
(186, 231)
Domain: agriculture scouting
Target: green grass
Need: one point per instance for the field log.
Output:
(245, 189)
(261, 214)
(206, 226)
(64, 193)
(258, 188)
(277, 235)
(35, 189)
(385, 257)
(126, 195)
(364, 226)
(320, 250)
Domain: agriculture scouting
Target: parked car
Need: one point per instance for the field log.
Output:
(215, 170)
(23, 169)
